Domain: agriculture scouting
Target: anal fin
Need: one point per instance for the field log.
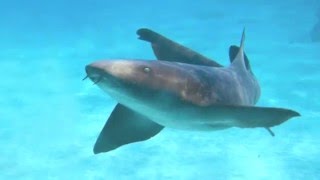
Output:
(125, 126)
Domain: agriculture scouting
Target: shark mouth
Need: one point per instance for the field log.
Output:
(95, 80)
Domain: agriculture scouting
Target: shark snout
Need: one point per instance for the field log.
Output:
(118, 68)
(97, 70)
(110, 69)
(97, 67)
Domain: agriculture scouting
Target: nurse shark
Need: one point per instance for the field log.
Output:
(182, 89)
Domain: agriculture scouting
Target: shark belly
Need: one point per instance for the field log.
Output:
(180, 116)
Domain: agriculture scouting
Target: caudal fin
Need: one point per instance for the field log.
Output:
(252, 116)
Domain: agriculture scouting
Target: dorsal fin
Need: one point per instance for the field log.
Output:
(238, 61)
(233, 51)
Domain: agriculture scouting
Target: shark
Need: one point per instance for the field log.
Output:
(182, 89)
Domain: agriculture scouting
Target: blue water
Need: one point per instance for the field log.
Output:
(49, 118)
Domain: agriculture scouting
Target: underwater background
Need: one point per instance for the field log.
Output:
(50, 118)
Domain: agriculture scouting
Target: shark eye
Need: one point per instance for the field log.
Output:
(146, 69)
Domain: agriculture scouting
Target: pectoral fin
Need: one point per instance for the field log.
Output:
(124, 126)
(168, 50)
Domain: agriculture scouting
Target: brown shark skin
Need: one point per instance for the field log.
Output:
(185, 96)
(199, 85)
(188, 92)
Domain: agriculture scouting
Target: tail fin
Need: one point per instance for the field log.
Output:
(252, 116)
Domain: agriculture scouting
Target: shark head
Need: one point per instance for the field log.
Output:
(141, 82)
